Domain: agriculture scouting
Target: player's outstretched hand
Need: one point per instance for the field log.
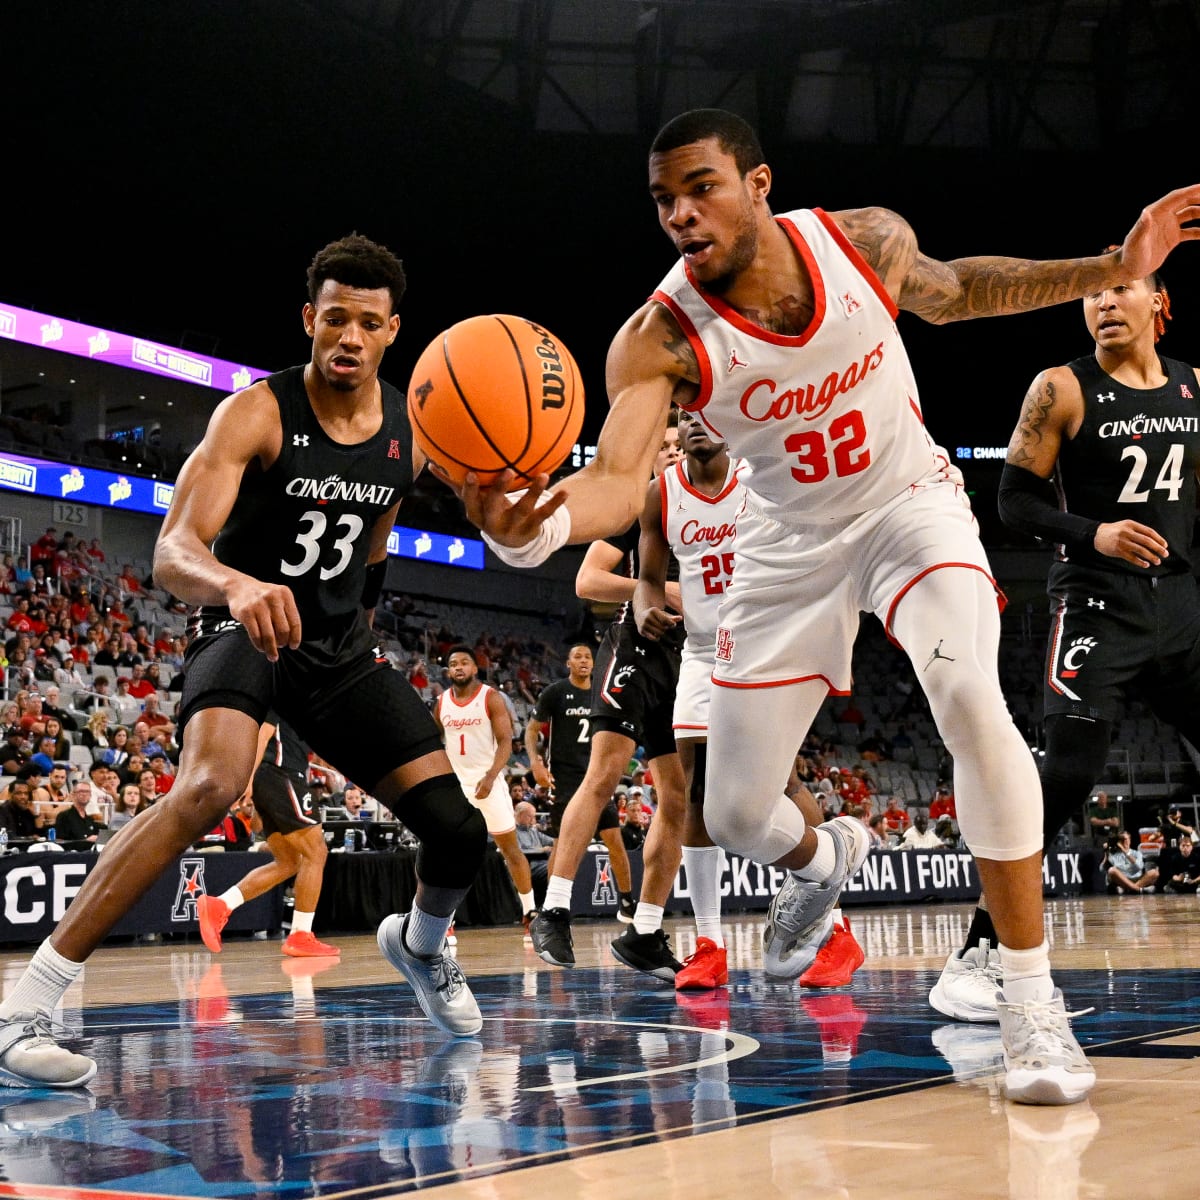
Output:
(510, 520)
(542, 776)
(1160, 228)
(269, 613)
(1131, 542)
(654, 623)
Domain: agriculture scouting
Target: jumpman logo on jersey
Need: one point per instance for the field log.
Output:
(937, 653)
(299, 439)
(1102, 396)
(734, 361)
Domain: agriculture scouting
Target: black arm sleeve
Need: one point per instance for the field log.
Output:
(1025, 505)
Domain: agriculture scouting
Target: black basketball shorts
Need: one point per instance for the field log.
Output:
(633, 689)
(564, 789)
(282, 801)
(1114, 634)
(343, 699)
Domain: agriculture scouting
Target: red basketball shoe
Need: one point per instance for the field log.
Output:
(302, 944)
(212, 913)
(836, 961)
(706, 968)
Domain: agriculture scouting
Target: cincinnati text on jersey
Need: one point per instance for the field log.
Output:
(334, 487)
(1140, 425)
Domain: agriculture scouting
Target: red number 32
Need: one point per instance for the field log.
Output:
(847, 436)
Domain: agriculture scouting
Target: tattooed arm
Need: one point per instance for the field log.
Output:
(991, 286)
(1053, 409)
(650, 364)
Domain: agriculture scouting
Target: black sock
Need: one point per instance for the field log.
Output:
(981, 927)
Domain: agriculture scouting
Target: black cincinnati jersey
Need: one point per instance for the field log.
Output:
(1134, 459)
(567, 710)
(627, 543)
(306, 521)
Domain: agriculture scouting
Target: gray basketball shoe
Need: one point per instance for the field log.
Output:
(30, 1055)
(798, 918)
(1043, 1063)
(439, 982)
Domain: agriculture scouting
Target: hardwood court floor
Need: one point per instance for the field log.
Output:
(253, 1075)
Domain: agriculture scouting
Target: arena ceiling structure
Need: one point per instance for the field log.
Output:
(1021, 75)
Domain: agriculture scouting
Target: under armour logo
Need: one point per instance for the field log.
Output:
(937, 653)
(734, 361)
(1102, 396)
(1093, 603)
(299, 439)
(639, 649)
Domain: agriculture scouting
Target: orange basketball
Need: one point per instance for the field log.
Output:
(496, 392)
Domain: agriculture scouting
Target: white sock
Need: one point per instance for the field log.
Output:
(42, 985)
(821, 865)
(704, 866)
(648, 917)
(527, 904)
(558, 893)
(425, 934)
(232, 898)
(1027, 974)
(302, 921)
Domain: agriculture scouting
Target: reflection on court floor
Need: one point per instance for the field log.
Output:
(322, 1091)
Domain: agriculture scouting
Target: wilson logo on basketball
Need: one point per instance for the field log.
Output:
(759, 402)
(554, 388)
(693, 533)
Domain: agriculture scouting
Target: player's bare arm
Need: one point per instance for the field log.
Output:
(1053, 408)
(654, 555)
(502, 731)
(647, 363)
(245, 427)
(377, 549)
(597, 578)
(537, 764)
(989, 286)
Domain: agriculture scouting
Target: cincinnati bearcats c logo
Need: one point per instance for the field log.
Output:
(1079, 649)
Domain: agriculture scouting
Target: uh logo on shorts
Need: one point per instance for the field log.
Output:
(190, 889)
(724, 645)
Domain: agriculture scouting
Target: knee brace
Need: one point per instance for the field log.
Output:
(451, 831)
(1076, 751)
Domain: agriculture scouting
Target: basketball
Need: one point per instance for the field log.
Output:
(496, 392)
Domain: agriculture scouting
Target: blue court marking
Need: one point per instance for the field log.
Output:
(352, 1090)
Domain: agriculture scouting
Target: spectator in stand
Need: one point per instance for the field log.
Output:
(535, 845)
(95, 734)
(139, 686)
(99, 697)
(130, 802)
(124, 705)
(75, 825)
(25, 620)
(69, 675)
(948, 834)
(636, 823)
(354, 801)
(943, 805)
(895, 817)
(14, 751)
(128, 581)
(104, 786)
(147, 782)
(164, 776)
(95, 551)
(109, 655)
(45, 549)
(51, 707)
(117, 754)
(920, 836)
(52, 727)
(1179, 866)
(159, 724)
(43, 755)
(1103, 818)
(875, 748)
(1127, 871)
(877, 827)
(17, 814)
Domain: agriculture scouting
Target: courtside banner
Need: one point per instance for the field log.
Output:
(887, 877)
(37, 888)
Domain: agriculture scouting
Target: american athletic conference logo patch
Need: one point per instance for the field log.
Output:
(724, 645)
(189, 890)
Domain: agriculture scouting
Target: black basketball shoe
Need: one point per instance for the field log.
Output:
(551, 934)
(649, 953)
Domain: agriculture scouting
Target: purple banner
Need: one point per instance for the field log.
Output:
(102, 345)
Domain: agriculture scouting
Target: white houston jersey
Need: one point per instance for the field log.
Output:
(699, 529)
(470, 743)
(829, 419)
